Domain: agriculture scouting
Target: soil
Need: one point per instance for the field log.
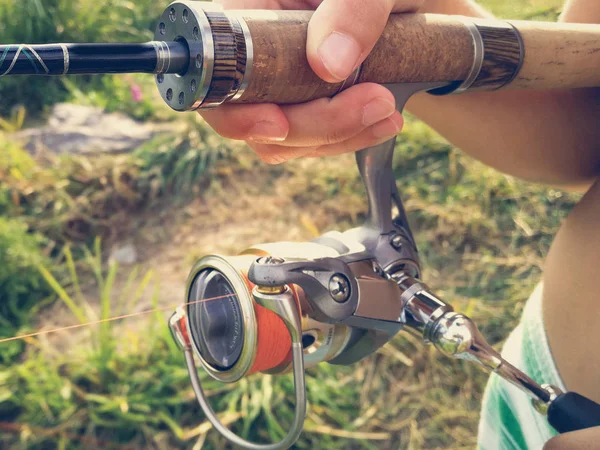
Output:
(237, 209)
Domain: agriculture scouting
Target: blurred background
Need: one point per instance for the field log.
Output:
(106, 200)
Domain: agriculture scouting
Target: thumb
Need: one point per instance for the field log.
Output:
(341, 33)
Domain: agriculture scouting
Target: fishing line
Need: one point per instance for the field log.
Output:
(90, 441)
(112, 319)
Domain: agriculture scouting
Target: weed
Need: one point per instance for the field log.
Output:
(22, 288)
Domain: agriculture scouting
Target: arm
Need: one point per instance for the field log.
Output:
(544, 136)
(547, 136)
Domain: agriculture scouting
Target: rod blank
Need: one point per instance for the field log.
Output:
(80, 59)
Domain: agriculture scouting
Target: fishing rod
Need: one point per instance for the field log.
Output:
(203, 56)
(281, 307)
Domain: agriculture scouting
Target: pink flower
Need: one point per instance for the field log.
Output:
(136, 93)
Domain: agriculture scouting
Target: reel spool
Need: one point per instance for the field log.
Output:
(234, 336)
(235, 328)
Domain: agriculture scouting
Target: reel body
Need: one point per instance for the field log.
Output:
(281, 307)
(278, 307)
(233, 335)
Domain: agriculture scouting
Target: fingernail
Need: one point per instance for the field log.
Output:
(388, 128)
(377, 110)
(267, 131)
(339, 54)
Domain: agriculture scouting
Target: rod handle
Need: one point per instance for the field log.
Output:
(426, 48)
(571, 412)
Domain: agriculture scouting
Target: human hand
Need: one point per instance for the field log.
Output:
(341, 34)
(587, 439)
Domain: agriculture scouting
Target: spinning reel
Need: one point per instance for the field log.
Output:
(337, 299)
(282, 307)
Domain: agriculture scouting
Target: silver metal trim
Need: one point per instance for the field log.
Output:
(246, 303)
(542, 406)
(66, 58)
(168, 57)
(200, 47)
(208, 48)
(478, 54)
(159, 47)
(249, 53)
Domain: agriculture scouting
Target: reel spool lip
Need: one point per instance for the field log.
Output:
(246, 304)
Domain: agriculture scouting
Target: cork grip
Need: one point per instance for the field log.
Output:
(424, 48)
(558, 55)
(413, 48)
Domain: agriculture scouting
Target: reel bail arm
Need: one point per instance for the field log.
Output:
(281, 302)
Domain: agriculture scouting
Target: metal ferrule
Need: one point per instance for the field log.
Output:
(421, 308)
(221, 55)
(478, 54)
(542, 406)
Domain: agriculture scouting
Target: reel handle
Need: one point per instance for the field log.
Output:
(571, 412)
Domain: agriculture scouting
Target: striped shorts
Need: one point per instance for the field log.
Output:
(508, 419)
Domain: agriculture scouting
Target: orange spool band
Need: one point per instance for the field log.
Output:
(274, 344)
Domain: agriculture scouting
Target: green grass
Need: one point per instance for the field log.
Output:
(48, 21)
(482, 237)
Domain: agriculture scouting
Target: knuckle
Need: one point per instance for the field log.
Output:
(335, 136)
(270, 157)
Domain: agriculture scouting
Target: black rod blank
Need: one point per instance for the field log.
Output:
(64, 59)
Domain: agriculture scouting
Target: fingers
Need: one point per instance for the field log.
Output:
(373, 135)
(269, 4)
(263, 122)
(341, 33)
(333, 120)
(355, 118)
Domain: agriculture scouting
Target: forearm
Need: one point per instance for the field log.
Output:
(545, 136)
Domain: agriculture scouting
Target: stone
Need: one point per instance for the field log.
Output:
(78, 129)
(126, 255)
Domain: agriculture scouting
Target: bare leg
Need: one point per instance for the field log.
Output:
(571, 297)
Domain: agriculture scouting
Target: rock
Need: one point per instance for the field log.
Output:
(81, 129)
(126, 255)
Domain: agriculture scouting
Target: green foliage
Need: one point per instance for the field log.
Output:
(34, 21)
(482, 237)
(115, 93)
(176, 163)
(21, 286)
(73, 198)
(547, 10)
(124, 384)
